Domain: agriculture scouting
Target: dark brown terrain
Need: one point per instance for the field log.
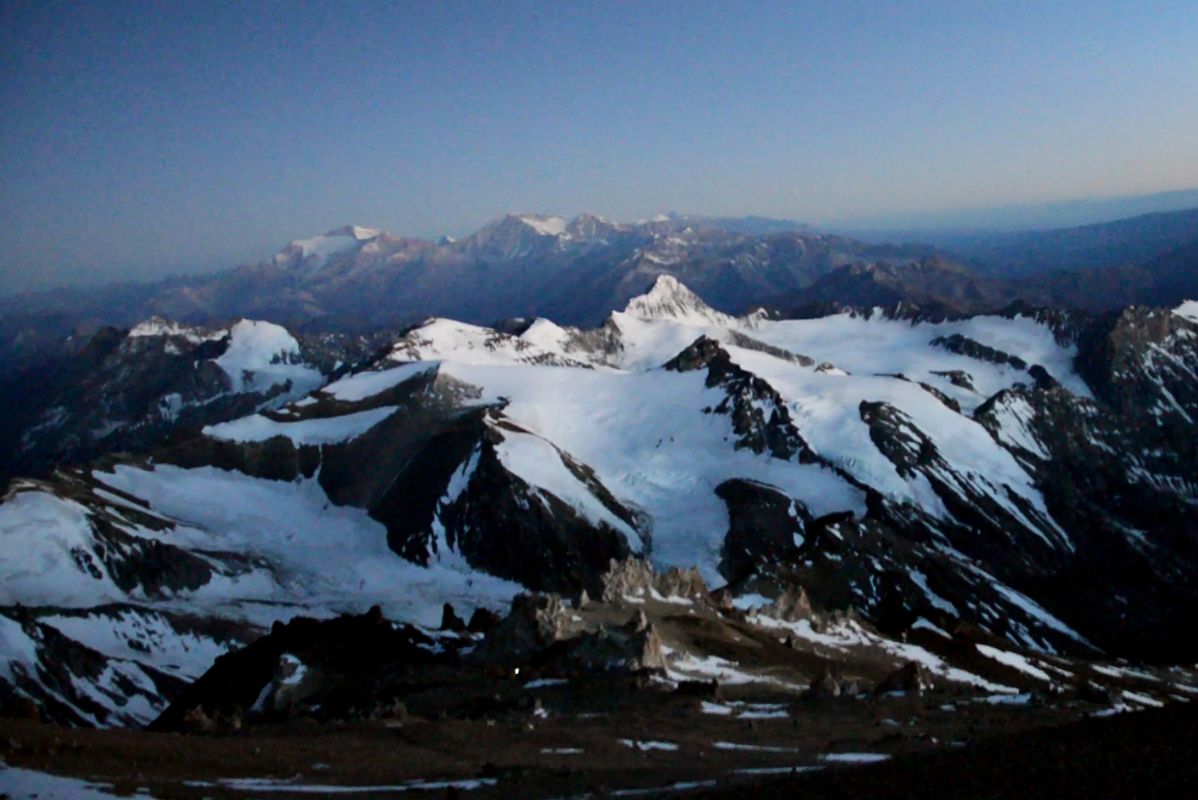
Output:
(973, 751)
(525, 709)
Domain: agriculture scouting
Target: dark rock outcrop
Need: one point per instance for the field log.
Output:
(963, 345)
(546, 543)
(747, 399)
(765, 527)
(911, 677)
(331, 668)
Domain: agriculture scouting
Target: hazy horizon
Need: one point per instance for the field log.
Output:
(140, 141)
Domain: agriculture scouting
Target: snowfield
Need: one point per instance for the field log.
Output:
(645, 433)
(322, 558)
(648, 440)
(356, 388)
(566, 409)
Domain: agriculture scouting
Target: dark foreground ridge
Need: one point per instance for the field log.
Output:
(1149, 754)
(575, 698)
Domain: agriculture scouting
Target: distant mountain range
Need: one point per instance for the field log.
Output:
(1121, 243)
(357, 280)
(926, 226)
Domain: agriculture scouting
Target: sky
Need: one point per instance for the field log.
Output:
(143, 139)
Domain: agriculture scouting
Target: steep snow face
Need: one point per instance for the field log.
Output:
(46, 545)
(539, 463)
(1188, 309)
(276, 550)
(314, 556)
(546, 335)
(322, 558)
(649, 343)
(1014, 416)
(262, 355)
(144, 635)
(355, 388)
(826, 409)
(656, 326)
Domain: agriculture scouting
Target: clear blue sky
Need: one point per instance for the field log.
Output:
(140, 139)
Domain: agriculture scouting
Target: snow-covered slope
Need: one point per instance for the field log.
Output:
(152, 597)
(261, 355)
(444, 339)
(959, 473)
(130, 389)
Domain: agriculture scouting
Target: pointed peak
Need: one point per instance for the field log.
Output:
(590, 226)
(669, 298)
(668, 283)
(668, 287)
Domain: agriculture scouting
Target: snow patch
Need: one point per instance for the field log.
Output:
(325, 430)
(855, 758)
(1015, 661)
(1188, 309)
(644, 745)
(356, 388)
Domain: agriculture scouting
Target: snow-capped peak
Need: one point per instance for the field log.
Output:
(262, 354)
(544, 225)
(670, 299)
(319, 248)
